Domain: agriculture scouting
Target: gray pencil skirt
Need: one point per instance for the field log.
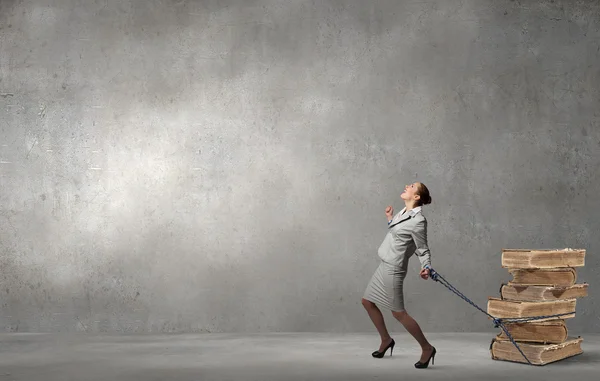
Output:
(385, 287)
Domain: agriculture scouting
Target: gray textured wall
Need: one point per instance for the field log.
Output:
(224, 166)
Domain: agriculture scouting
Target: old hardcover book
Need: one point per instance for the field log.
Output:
(543, 258)
(553, 331)
(520, 309)
(538, 354)
(542, 293)
(566, 276)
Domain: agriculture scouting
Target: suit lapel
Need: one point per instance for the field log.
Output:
(402, 218)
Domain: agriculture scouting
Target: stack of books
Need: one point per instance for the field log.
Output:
(544, 282)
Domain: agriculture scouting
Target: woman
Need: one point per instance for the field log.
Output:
(407, 235)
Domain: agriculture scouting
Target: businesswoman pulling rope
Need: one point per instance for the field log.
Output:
(407, 235)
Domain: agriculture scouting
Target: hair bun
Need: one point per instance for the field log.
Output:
(424, 194)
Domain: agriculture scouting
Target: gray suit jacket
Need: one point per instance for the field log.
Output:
(406, 236)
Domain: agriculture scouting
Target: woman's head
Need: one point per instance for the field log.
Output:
(416, 192)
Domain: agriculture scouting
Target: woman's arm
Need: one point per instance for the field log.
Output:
(419, 235)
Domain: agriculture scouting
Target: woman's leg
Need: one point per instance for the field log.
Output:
(377, 318)
(415, 330)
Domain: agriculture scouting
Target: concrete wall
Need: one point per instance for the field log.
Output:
(215, 166)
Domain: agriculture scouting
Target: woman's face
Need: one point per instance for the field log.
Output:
(410, 192)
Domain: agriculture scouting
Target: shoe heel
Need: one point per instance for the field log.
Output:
(390, 346)
(431, 358)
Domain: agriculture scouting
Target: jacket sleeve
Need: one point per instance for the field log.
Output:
(419, 235)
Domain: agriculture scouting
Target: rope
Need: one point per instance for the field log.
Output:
(498, 322)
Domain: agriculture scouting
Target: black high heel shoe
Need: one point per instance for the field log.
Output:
(379, 355)
(421, 365)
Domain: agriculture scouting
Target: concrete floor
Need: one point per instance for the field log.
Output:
(265, 357)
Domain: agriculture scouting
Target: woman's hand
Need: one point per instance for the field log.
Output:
(389, 212)
(424, 273)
